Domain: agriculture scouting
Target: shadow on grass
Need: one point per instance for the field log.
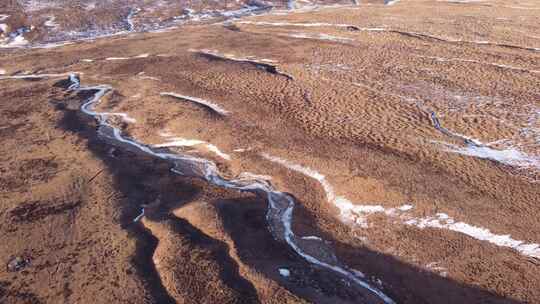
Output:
(255, 245)
(141, 180)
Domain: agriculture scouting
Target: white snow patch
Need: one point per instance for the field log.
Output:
(312, 237)
(127, 58)
(149, 78)
(50, 22)
(476, 148)
(358, 273)
(164, 30)
(165, 133)
(183, 142)
(443, 221)
(117, 58)
(180, 142)
(405, 208)
(18, 41)
(306, 171)
(434, 266)
(241, 150)
(390, 2)
(36, 76)
(248, 176)
(357, 214)
(218, 152)
(521, 7)
(52, 45)
(216, 108)
(284, 272)
(508, 156)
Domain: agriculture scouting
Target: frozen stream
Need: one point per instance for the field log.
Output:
(280, 204)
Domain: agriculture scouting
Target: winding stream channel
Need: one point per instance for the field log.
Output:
(280, 205)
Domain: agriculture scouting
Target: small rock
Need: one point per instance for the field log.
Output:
(17, 263)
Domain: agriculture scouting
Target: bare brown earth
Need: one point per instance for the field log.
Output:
(351, 103)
